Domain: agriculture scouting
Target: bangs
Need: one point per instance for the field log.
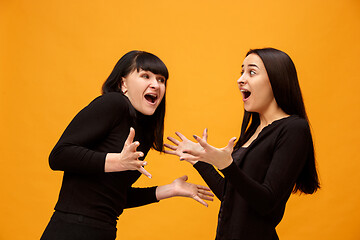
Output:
(149, 62)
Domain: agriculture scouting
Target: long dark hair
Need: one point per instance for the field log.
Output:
(136, 60)
(285, 85)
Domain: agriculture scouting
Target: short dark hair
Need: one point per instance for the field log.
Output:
(287, 93)
(136, 60)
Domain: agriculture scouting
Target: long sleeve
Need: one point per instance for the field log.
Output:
(292, 147)
(212, 178)
(140, 196)
(73, 152)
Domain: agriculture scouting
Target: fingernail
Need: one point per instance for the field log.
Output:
(185, 152)
(182, 159)
(150, 176)
(194, 136)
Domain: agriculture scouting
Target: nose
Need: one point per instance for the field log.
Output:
(241, 81)
(154, 83)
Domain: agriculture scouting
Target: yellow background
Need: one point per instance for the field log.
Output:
(55, 55)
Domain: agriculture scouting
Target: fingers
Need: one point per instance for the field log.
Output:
(188, 157)
(181, 136)
(170, 146)
(132, 147)
(142, 170)
(205, 193)
(197, 198)
(170, 152)
(130, 137)
(205, 134)
(191, 152)
(200, 187)
(140, 154)
(173, 140)
(202, 142)
(206, 197)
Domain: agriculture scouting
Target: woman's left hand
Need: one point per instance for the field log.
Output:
(219, 157)
(180, 188)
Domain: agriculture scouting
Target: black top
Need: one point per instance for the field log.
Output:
(259, 181)
(100, 128)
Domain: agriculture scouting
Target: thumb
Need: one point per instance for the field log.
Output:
(231, 144)
(184, 178)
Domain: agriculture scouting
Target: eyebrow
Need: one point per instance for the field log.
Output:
(251, 65)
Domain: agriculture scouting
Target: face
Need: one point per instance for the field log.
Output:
(255, 86)
(144, 89)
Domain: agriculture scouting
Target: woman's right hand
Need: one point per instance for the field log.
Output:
(128, 159)
(185, 143)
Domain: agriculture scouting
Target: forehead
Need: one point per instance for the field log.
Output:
(150, 72)
(253, 59)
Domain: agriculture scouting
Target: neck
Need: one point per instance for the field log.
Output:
(273, 113)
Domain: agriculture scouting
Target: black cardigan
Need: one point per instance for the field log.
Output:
(100, 128)
(260, 180)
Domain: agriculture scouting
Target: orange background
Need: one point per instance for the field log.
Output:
(54, 56)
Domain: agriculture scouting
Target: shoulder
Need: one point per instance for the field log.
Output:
(296, 122)
(295, 125)
(112, 100)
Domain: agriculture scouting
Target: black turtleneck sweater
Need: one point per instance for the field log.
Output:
(100, 128)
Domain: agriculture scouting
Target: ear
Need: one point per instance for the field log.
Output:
(123, 86)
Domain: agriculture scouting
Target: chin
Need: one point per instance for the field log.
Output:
(148, 112)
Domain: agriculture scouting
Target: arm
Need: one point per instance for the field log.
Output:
(288, 159)
(291, 152)
(213, 179)
(140, 196)
(178, 188)
(73, 151)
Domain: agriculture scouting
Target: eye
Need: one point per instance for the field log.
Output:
(252, 72)
(242, 72)
(145, 75)
(161, 80)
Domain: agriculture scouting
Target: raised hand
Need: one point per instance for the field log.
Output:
(219, 157)
(180, 146)
(179, 187)
(128, 159)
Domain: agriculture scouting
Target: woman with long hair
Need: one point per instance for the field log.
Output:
(102, 153)
(273, 157)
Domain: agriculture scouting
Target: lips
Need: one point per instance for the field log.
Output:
(151, 98)
(246, 93)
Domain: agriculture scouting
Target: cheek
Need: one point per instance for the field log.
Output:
(267, 94)
(265, 86)
(162, 91)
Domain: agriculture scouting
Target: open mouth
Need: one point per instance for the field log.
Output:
(151, 98)
(246, 94)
